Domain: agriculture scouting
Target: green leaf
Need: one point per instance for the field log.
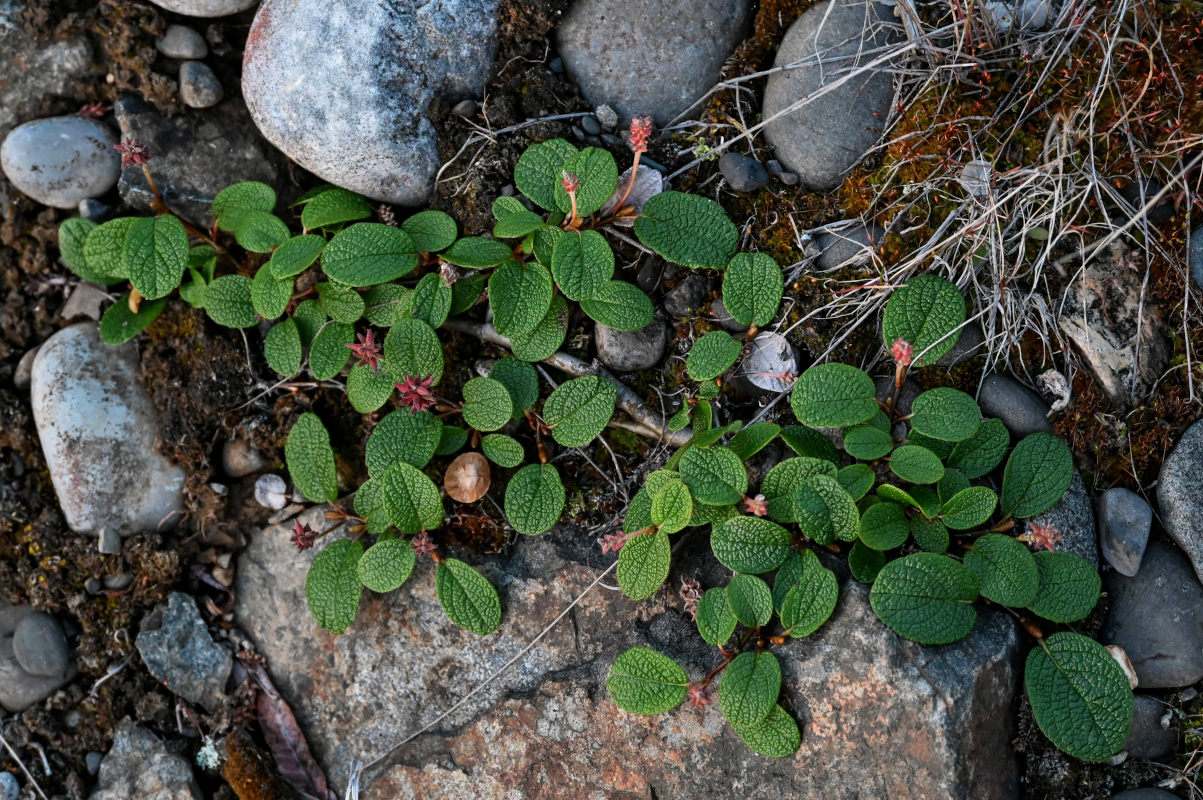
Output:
(310, 459)
(309, 318)
(369, 504)
(811, 600)
(754, 438)
(507, 206)
(387, 304)
(810, 443)
(643, 681)
(787, 477)
(155, 255)
(884, 526)
(104, 248)
(467, 596)
(582, 263)
(430, 231)
(941, 448)
(834, 396)
(715, 621)
(520, 296)
(969, 508)
(715, 476)
(946, 414)
(119, 324)
(547, 336)
(749, 687)
(282, 348)
(1069, 587)
(539, 171)
(578, 410)
(233, 201)
(1037, 475)
(228, 302)
(1005, 570)
(643, 564)
(639, 512)
(954, 481)
(712, 355)
(518, 224)
(502, 450)
(825, 512)
(752, 289)
(328, 352)
(750, 599)
(856, 480)
(929, 309)
(703, 416)
(332, 586)
(386, 565)
(534, 499)
(599, 178)
(487, 404)
(520, 380)
(687, 229)
(451, 439)
(983, 451)
(477, 252)
(431, 300)
(926, 598)
(270, 296)
(368, 253)
(412, 348)
(867, 442)
(930, 534)
(789, 573)
(672, 507)
(776, 736)
(750, 544)
(621, 306)
(411, 499)
(402, 436)
(865, 563)
(915, 464)
(544, 241)
(1080, 696)
(334, 206)
(260, 232)
(368, 390)
(72, 235)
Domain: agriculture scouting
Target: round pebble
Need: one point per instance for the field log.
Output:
(1019, 408)
(183, 42)
(627, 351)
(743, 174)
(10, 789)
(24, 370)
(271, 491)
(199, 87)
(92, 760)
(239, 459)
(90, 208)
(465, 108)
(607, 116)
(40, 646)
(591, 126)
(61, 160)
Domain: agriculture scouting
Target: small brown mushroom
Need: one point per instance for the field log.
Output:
(467, 478)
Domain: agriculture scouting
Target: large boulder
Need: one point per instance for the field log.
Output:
(343, 88)
(1180, 495)
(881, 717)
(820, 130)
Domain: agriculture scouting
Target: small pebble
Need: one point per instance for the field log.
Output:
(271, 492)
(92, 209)
(1019, 408)
(182, 42)
(1124, 520)
(627, 351)
(725, 321)
(93, 586)
(591, 126)
(610, 140)
(1149, 737)
(24, 370)
(686, 297)
(199, 87)
(556, 65)
(10, 789)
(117, 583)
(743, 174)
(109, 541)
(239, 459)
(92, 760)
(85, 302)
(578, 133)
(464, 108)
(653, 164)
(607, 116)
(40, 646)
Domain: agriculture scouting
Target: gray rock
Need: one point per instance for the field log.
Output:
(35, 70)
(199, 87)
(19, 689)
(627, 351)
(183, 655)
(1148, 737)
(1157, 617)
(343, 91)
(1073, 517)
(61, 160)
(108, 541)
(24, 371)
(970, 344)
(1022, 14)
(40, 646)
(140, 766)
(10, 788)
(1144, 794)
(825, 137)
(718, 312)
(1195, 255)
(93, 209)
(684, 299)
(848, 247)
(910, 390)
(607, 116)
(649, 57)
(885, 717)
(92, 761)
(769, 363)
(271, 491)
(180, 41)
(85, 301)
(1019, 408)
(194, 156)
(1180, 495)
(205, 8)
(99, 432)
(591, 126)
(743, 174)
(239, 459)
(1124, 520)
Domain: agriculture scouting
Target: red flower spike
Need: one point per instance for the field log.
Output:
(303, 536)
(416, 394)
(902, 351)
(756, 506)
(641, 129)
(570, 182)
(1045, 537)
(93, 110)
(366, 350)
(699, 695)
(422, 544)
(132, 152)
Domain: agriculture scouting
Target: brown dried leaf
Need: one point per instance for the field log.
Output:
(287, 742)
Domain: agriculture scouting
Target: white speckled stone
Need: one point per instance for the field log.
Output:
(99, 432)
(60, 161)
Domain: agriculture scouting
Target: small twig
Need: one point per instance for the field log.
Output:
(29, 775)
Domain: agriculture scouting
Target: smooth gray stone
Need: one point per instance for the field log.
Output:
(1180, 495)
(24, 371)
(183, 656)
(1073, 517)
(1019, 408)
(180, 41)
(342, 89)
(10, 788)
(628, 351)
(825, 137)
(239, 459)
(40, 646)
(649, 57)
(1148, 738)
(19, 689)
(743, 174)
(205, 8)
(199, 87)
(1124, 520)
(718, 312)
(848, 247)
(686, 297)
(60, 161)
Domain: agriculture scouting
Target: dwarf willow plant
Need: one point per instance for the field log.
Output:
(910, 501)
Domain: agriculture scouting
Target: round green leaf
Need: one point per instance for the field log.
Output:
(341, 303)
(824, 511)
(969, 508)
(620, 305)
(260, 232)
(1069, 587)
(334, 206)
(451, 439)
(502, 450)
(639, 512)
(282, 348)
(930, 534)
(834, 396)
(582, 263)
(789, 573)
(643, 681)
(520, 380)
(810, 601)
(547, 336)
(368, 253)
(750, 599)
(233, 201)
(926, 313)
(884, 526)
(386, 565)
(598, 175)
(269, 295)
(477, 252)
(672, 507)
(72, 235)
(926, 598)
(753, 438)
(431, 231)
(540, 169)
(1005, 570)
(856, 480)
(520, 296)
(785, 478)
(749, 687)
(954, 481)
(467, 596)
(643, 564)
(517, 224)
(119, 324)
(332, 587)
(776, 736)
(752, 289)
(431, 300)
(387, 304)
(411, 499)
(310, 459)
(687, 229)
(309, 318)
(1037, 475)
(865, 563)
(715, 476)
(712, 355)
(402, 436)
(154, 255)
(368, 390)
(867, 442)
(328, 352)
(983, 451)
(104, 248)
(412, 348)
(579, 409)
(915, 464)
(534, 499)
(946, 414)
(715, 621)
(750, 544)
(487, 404)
